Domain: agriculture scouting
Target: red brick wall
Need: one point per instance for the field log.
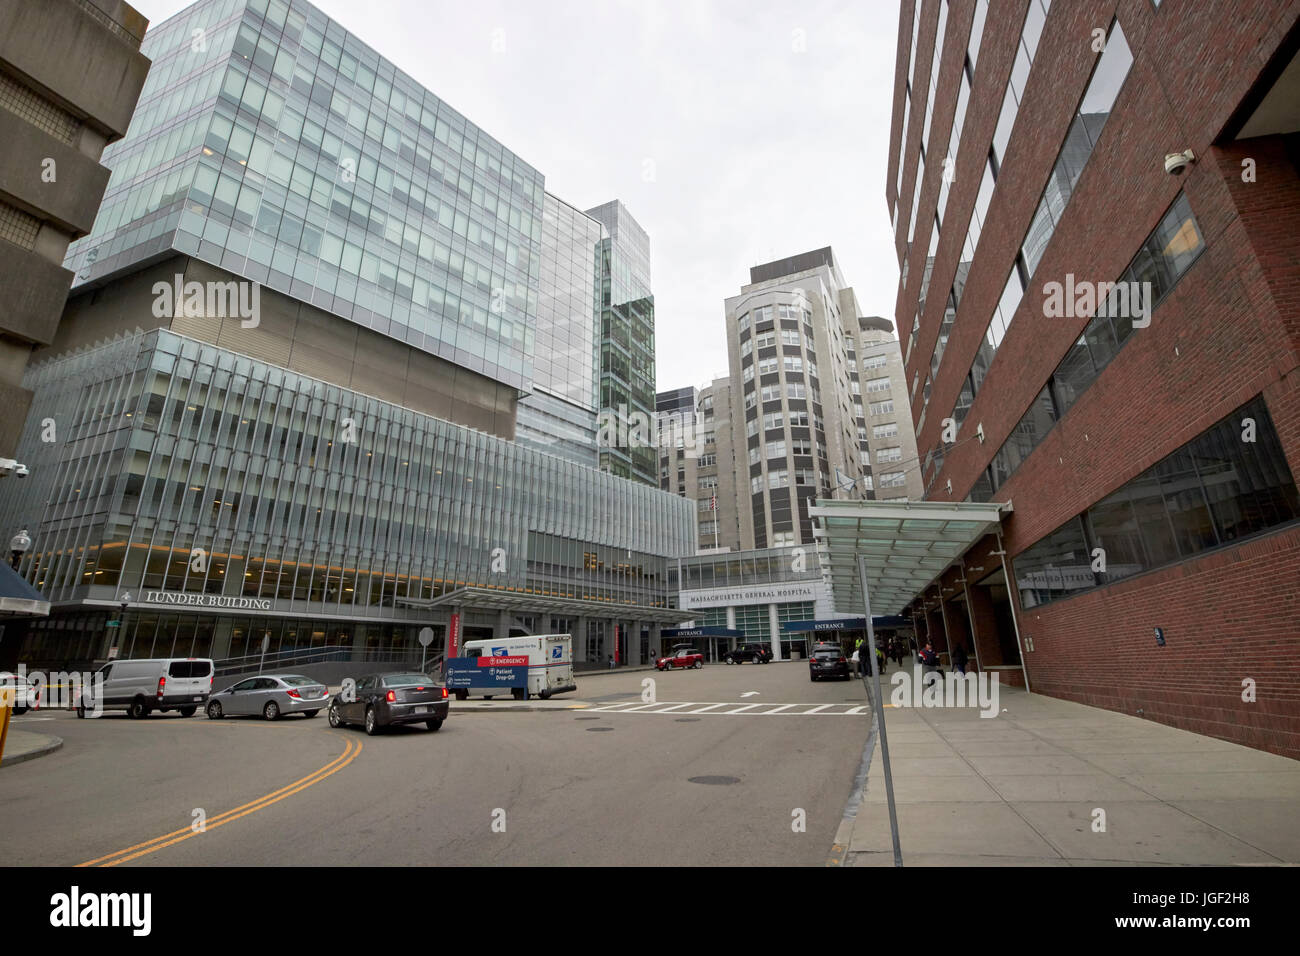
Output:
(1229, 331)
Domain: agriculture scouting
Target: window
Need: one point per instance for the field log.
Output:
(799, 418)
(748, 374)
(756, 484)
(773, 420)
(870, 362)
(775, 449)
(771, 393)
(888, 430)
(743, 324)
(765, 340)
(889, 454)
(793, 363)
(746, 347)
(751, 427)
(767, 366)
(882, 408)
(893, 479)
(1213, 491)
(800, 446)
(751, 400)
(778, 479)
(789, 337)
(878, 384)
(754, 456)
(796, 390)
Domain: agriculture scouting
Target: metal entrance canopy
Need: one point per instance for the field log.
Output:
(906, 545)
(478, 599)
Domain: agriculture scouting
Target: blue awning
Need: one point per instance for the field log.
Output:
(18, 598)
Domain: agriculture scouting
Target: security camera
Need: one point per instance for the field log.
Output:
(1177, 163)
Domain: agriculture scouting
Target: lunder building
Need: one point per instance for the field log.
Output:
(286, 391)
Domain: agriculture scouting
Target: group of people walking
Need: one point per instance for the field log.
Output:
(898, 648)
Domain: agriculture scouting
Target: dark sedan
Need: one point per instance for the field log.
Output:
(828, 660)
(385, 700)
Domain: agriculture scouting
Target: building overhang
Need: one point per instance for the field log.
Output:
(491, 599)
(18, 598)
(907, 545)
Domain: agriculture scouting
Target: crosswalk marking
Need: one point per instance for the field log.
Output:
(733, 708)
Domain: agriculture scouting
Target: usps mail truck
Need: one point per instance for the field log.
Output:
(550, 664)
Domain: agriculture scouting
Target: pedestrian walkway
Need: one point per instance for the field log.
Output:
(733, 708)
(23, 745)
(1054, 783)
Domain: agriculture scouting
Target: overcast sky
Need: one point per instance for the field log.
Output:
(735, 132)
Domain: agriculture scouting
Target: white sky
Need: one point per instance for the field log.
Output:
(729, 144)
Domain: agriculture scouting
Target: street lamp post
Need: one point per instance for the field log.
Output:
(18, 546)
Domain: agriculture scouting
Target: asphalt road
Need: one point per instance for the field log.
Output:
(589, 785)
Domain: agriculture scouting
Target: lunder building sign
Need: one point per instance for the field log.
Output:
(757, 594)
(213, 601)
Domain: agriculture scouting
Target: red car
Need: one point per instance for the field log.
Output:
(681, 659)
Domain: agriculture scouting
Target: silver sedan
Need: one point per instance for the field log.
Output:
(270, 695)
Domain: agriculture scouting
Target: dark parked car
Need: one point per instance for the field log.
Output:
(383, 700)
(753, 653)
(828, 660)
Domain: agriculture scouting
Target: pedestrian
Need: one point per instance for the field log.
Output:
(880, 658)
(611, 661)
(929, 662)
(959, 659)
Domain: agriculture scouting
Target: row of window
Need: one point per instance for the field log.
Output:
(1163, 257)
(1229, 483)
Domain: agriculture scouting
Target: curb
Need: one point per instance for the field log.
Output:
(48, 748)
(839, 852)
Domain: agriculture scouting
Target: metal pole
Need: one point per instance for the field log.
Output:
(880, 712)
(1011, 597)
(970, 616)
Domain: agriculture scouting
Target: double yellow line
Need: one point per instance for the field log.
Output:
(350, 751)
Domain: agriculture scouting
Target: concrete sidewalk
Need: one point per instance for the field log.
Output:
(23, 745)
(1024, 788)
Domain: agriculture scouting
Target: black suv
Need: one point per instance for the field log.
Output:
(828, 660)
(754, 653)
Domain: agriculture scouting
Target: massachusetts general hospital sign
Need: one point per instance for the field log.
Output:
(747, 595)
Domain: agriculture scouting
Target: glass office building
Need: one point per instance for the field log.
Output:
(344, 468)
(560, 414)
(627, 347)
(213, 494)
(274, 144)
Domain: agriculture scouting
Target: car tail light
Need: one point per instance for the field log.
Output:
(162, 684)
(293, 693)
(444, 693)
(844, 660)
(390, 696)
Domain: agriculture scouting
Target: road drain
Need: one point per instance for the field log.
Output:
(586, 718)
(687, 720)
(599, 728)
(715, 781)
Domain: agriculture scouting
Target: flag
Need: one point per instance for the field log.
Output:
(713, 502)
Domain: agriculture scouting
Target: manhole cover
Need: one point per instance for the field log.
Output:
(687, 720)
(715, 781)
(599, 728)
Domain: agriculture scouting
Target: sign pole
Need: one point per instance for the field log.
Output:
(880, 711)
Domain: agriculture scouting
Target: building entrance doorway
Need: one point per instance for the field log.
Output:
(991, 603)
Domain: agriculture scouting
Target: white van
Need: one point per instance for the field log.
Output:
(550, 663)
(140, 687)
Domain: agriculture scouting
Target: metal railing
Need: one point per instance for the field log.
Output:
(329, 653)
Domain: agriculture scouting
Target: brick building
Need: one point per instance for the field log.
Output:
(1146, 436)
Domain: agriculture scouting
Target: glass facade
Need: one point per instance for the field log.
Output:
(274, 144)
(627, 344)
(560, 414)
(1227, 484)
(189, 469)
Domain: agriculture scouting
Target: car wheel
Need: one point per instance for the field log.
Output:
(462, 695)
(517, 693)
(336, 720)
(271, 711)
(729, 660)
(698, 664)
(188, 711)
(19, 711)
(545, 695)
(214, 710)
(310, 713)
(372, 722)
(433, 724)
(81, 710)
(138, 709)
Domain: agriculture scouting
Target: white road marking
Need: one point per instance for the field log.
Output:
(712, 709)
(750, 693)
